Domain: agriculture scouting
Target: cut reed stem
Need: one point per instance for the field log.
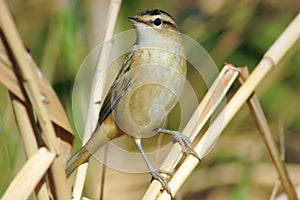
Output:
(29, 176)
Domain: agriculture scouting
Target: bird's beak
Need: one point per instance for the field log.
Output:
(134, 20)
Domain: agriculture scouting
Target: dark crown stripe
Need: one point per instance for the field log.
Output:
(154, 12)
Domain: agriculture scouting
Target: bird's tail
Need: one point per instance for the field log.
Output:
(77, 159)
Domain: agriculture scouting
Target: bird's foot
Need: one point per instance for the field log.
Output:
(184, 141)
(157, 174)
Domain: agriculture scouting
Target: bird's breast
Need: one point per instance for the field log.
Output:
(157, 79)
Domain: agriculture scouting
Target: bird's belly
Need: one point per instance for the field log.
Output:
(151, 102)
(145, 106)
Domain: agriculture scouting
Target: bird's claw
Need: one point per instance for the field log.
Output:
(185, 143)
(157, 175)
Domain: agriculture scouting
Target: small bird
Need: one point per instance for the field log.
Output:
(145, 90)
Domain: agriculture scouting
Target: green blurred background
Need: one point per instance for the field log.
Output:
(61, 33)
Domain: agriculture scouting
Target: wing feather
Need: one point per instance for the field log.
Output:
(120, 85)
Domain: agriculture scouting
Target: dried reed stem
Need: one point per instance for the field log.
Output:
(203, 112)
(25, 122)
(15, 45)
(265, 132)
(90, 123)
(270, 59)
(8, 77)
(30, 84)
(29, 176)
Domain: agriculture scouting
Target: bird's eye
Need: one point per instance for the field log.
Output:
(157, 22)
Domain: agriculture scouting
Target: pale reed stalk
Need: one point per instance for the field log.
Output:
(90, 121)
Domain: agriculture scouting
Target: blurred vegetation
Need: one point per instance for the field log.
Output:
(61, 33)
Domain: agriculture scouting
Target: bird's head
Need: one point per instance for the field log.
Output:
(155, 26)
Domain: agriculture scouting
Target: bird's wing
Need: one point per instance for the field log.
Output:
(117, 90)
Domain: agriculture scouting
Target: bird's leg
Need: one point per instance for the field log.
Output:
(156, 173)
(183, 140)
